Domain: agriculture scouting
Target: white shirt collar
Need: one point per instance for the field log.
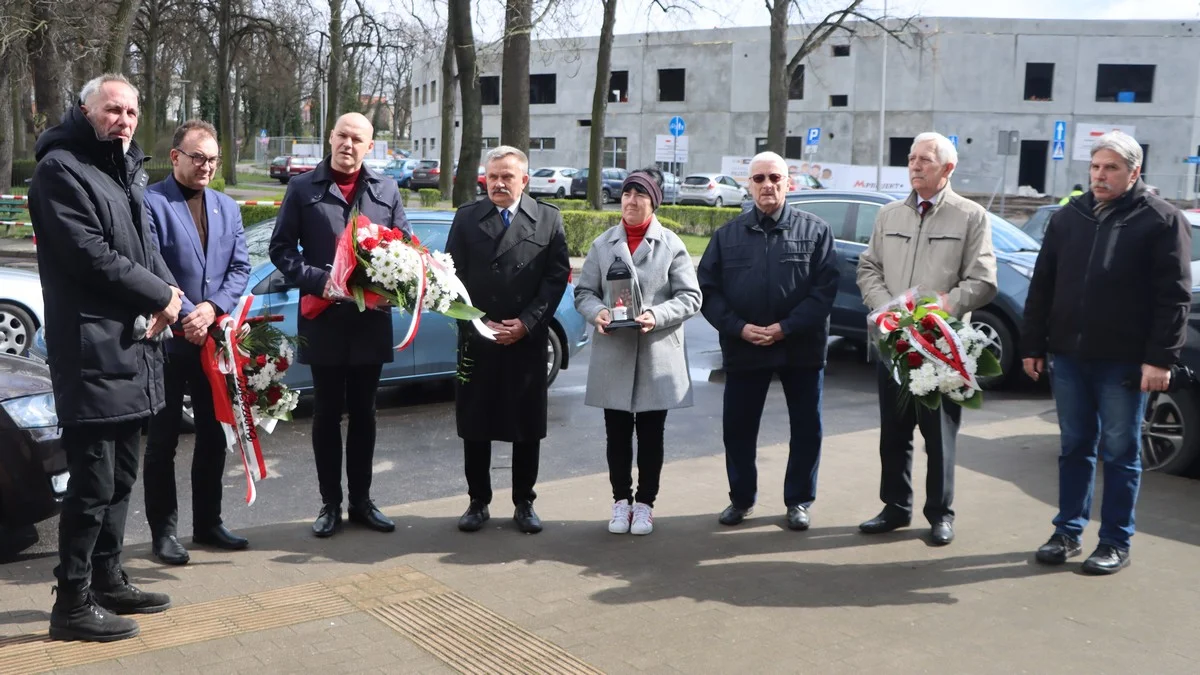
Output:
(512, 210)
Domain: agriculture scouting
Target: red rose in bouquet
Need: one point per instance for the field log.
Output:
(914, 360)
(274, 394)
(281, 364)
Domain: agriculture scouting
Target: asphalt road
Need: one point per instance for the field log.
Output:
(418, 455)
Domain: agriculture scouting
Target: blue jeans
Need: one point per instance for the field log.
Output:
(1100, 407)
(745, 396)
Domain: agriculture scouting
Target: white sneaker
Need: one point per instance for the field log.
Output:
(620, 518)
(643, 519)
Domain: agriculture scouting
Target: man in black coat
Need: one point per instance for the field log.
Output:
(345, 348)
(1107, 317)
(511, 253)
(769, 278)
(108, 296)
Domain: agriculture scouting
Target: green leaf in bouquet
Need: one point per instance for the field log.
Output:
(988, 366)
(973, 403)
(359, 300)
(462, 311)
(919, 313)
(932, 401)
(388, 295)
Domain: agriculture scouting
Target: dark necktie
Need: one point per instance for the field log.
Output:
(506, 216)
(924, 207)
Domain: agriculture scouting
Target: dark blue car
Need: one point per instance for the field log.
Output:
(401, 170)
(610, 190)
(852, 217)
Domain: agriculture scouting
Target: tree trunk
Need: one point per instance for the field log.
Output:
(49, 70)
(223, 66)
(7, 126)
(333, 89)
(514, 96)
(600, 105)
(447, 148)
(118, 36)
(777, 78)
(24, 114)
(472, 103)
(150, 101)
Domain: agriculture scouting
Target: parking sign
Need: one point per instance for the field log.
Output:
(814, 136)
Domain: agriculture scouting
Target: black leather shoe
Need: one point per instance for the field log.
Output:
(370, 516)
(169, 551)
(527, 521)
(1106, 559)
(1058, 549)
(732, 515)
(942, 533)
(119, 596)
(77, 616)
(884, 522)
(797, 518)
(219, 536)
(476, 515)
(328, 521)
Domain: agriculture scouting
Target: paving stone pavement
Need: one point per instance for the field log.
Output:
(696, 597)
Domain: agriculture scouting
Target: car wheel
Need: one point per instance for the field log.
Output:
(1169, 428)
(1002, 346)
(719, 203)
(605, 196)
(16, 330)
(562, 193)
(554, 352)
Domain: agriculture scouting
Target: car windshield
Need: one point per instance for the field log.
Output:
(1008, 238)
(279, 161)
(583, 173)
(258, 242)
(696, 180)
(543, 173)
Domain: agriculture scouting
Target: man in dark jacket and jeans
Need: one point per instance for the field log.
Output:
(1106, 315)
(108, 296)
(769, 278)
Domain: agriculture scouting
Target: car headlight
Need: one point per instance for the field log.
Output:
(31, 412)
(1023, 270)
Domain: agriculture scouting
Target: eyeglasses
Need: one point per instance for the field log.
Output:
(760, 177)
(200, 159)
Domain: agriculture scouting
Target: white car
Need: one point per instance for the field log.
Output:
(551, 180)
(712, 189)
(21, 310)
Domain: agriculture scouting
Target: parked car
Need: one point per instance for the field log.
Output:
(711, 189)
(401, 170)
(1171, 426)
(377, 164)
(852, 217)
(426, 174)
(611, 180)
(21, 310)
(551, 180)
(1036, 227)
(433, 355)
(284, 169)
(670, 187)
(33, 466)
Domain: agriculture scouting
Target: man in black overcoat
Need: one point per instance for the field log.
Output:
(511, 253)
(344, 348)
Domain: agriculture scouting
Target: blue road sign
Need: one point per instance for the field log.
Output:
(1060, 131)
(262, 133)
(1060, 150)
(814, 136)
(676, 126)
(953, 141)
(1194, 159)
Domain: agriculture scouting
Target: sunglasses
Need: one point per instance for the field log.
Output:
(760, 177)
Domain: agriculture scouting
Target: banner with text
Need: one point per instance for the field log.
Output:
(831, 176)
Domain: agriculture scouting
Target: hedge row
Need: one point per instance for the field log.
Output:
(698, 220)
(569, 204)
(582, 228)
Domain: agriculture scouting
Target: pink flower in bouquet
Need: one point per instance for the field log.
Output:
(281, 364)
(914, 360)
(902, 346)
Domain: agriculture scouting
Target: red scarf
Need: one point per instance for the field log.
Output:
(636, 233)
(346, 182)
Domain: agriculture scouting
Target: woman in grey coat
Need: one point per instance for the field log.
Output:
(638, 373)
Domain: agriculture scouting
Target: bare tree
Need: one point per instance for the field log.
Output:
(782, 69)
(472, 104)
(7, 127)
(333, 87)
(600, 104)
(48, 65)
(446, 176)
(118, 35)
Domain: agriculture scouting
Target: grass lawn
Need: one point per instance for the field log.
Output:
(695, 243)
(257, 178)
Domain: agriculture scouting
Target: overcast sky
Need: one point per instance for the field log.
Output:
(635, 16)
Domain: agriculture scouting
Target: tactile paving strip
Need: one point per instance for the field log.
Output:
(472, 639)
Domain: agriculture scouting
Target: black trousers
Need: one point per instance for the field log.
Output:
(182, 371)
(896, 426)
(619, 427)
(350, 391)
(477, 461)
(103, 461)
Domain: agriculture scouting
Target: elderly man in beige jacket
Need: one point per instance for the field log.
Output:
(942, 242)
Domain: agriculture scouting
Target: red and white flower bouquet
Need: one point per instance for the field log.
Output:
(930, 353)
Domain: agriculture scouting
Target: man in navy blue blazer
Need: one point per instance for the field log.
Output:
(199, 232)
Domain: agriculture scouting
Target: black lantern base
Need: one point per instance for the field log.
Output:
(628, 323)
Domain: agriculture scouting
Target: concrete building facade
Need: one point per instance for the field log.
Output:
(970, 78)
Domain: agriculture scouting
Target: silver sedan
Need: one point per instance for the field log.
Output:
(21, 310)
